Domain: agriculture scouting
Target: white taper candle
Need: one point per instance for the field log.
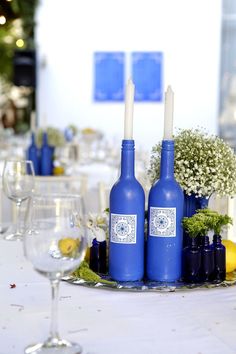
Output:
(168, 115)
(129, 106)
(32, 122)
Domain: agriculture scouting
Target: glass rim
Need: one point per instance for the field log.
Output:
(15, 160)
(58, 195)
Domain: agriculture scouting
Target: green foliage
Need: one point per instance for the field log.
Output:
(55, 137)
(23, 10)
(204, 221)
(6, 52)
(73, 128)
(214, 220)
(84, 272)
(195, 226)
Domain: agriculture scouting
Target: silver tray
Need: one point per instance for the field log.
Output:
(141, 286)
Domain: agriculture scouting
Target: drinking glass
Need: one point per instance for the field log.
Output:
(55, 243)
(18, 184)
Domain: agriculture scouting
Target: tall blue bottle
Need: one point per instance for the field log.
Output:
(165, 213)
(33, 155)
(126, 230)
(46, 157)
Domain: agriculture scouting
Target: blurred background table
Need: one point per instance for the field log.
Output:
(90, 168)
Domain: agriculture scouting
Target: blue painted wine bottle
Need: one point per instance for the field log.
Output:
(46, 157)
(165, 213)
(126, 230)
(33, 155)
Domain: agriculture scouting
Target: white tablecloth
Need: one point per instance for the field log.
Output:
(105, 322)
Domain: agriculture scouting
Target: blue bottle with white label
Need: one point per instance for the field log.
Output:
(165, 213)
(126, 229)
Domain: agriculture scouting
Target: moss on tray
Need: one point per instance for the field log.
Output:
(85, 273)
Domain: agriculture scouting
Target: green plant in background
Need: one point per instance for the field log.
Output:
(195, 226)
(16, 33)
(204, 163)
(25, 10)
(73, 128)
(19, 24)
(55, 137)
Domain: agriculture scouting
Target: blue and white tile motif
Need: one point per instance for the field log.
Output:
(123, 228)
(109, 71)
(147, 74)
(162, 222)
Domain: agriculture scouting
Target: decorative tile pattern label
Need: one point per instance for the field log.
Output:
(123, 228)
(162, 222)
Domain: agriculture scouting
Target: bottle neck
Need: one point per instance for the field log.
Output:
(205, 241)
(193, 242)
(127, 159)
(32, 138)
(217, 239)
(167, 160)
(45, 138)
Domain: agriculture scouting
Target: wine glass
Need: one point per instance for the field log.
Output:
(55, 243)
(18, 184)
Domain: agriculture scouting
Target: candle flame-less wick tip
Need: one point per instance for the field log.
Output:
(130, 81)
(169, 88)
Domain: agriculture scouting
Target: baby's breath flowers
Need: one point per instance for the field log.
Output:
(204, 164)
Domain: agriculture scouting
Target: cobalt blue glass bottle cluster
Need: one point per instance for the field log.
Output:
(204, 262)
(42, 158)
(165, 213)
(126, 230)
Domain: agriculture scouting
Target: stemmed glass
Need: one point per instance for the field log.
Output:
(18, 184)
(55, 243)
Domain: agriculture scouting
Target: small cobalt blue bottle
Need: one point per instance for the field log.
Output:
(46, 157)
(207, 260)
(219, 258)
(192, 261)
(33, 155)
(98, 257)
(126, 229)
(165, 213)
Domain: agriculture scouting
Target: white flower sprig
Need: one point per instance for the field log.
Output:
(204, 164)
(97, 227)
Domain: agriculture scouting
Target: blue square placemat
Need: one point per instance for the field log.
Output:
(147, 76)
(109, 76)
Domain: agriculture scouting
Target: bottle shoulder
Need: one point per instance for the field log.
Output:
(32, 147)
(167, 188)
(218, 246)
(127, 187)
(129, 182)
